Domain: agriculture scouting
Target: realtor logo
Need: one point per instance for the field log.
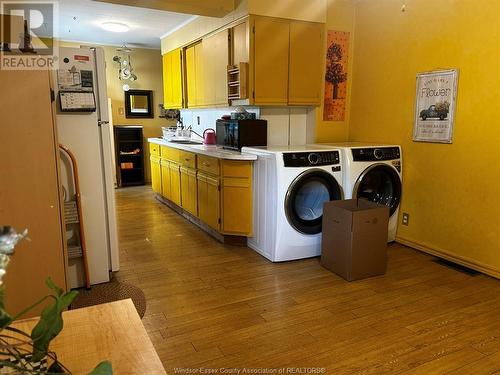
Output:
(28, 35)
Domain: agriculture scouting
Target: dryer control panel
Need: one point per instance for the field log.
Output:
(375, 153)
(311, 159)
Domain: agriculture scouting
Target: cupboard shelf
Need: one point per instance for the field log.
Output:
(237, 81)
(132, 136)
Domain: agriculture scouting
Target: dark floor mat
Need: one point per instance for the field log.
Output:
(110, 292)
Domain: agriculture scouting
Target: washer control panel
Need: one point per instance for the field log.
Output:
(375, 153)
(311, 159)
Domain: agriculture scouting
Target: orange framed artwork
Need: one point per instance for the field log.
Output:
(337, 53)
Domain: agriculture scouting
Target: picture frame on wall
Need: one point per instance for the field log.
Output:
(435, 106)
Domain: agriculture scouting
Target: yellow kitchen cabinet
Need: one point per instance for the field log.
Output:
(177, 93)
(215, 61)
(209, 199)
(270, 60)
(239, 43)
(167, 79)
(199, 77)
(187, 159)
(155, 173)
(236, 213)
(194, 75)
(217, 191)
(154, 149)
(208, 165)
(306, 45)
(189, 193)
(190, 76)
(175, 183)
(172, 79)
(165, 179)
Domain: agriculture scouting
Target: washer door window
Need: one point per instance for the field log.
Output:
(381, 184)
(305, 198)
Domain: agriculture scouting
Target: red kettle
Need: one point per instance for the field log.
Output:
(209, 137)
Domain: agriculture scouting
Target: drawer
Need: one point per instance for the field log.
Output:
(208, 164)
(169, 153)
(154, 149)
(240, 169)
(187, 159)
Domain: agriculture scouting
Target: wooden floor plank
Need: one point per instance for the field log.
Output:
(213, 305)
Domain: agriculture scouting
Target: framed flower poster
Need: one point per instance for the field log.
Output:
(435, 106)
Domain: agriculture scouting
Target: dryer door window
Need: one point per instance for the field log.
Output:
(381, 184)
(305, 198)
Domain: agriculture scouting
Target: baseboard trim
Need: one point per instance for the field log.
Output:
(451, 257)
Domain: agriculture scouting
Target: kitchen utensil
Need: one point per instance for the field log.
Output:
(209, 137)
(183, 133)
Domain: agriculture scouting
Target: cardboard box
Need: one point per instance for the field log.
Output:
(354, 241)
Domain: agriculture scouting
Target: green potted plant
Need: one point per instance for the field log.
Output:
(24, 353)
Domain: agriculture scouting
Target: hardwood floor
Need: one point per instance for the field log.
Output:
(215, 306)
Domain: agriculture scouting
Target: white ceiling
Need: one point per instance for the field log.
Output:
(80, 20)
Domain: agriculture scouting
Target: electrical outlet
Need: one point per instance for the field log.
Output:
(406, 218)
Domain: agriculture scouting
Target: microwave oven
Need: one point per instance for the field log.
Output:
(235, 134)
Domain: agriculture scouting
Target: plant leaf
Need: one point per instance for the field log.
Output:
(5, 318)
(103, 368)
(53, 286)
(50, 323)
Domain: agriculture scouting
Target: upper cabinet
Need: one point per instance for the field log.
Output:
(206, 67)
(304, 78)
(286, 57)
(282, 65)
(215, 61)
(194, 75)
(172, 79)
(270, 60)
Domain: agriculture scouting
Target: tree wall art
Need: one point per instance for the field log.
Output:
(337, 54)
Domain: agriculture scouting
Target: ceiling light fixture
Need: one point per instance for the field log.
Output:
(115, 27)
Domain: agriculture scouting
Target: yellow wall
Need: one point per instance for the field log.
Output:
(147, 66)
(340, 17)
(451, 191)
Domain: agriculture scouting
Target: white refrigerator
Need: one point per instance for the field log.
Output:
(84, 126)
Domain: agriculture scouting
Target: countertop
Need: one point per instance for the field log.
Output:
(111, 331)
(213, 151)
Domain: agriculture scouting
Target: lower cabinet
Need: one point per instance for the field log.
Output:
(166, 191)
(189, 194)
(218, 192)
(175, 183)
(237, 216)
(155, 173)
(209, 200)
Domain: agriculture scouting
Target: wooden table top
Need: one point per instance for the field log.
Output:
(111, 331)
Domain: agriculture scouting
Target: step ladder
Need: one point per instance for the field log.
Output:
(72, 216)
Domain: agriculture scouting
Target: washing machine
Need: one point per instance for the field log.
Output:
(373, 172)
(291, 183)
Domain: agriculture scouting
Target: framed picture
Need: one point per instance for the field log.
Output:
(435, 106)
(337, 55)
(139, 104)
